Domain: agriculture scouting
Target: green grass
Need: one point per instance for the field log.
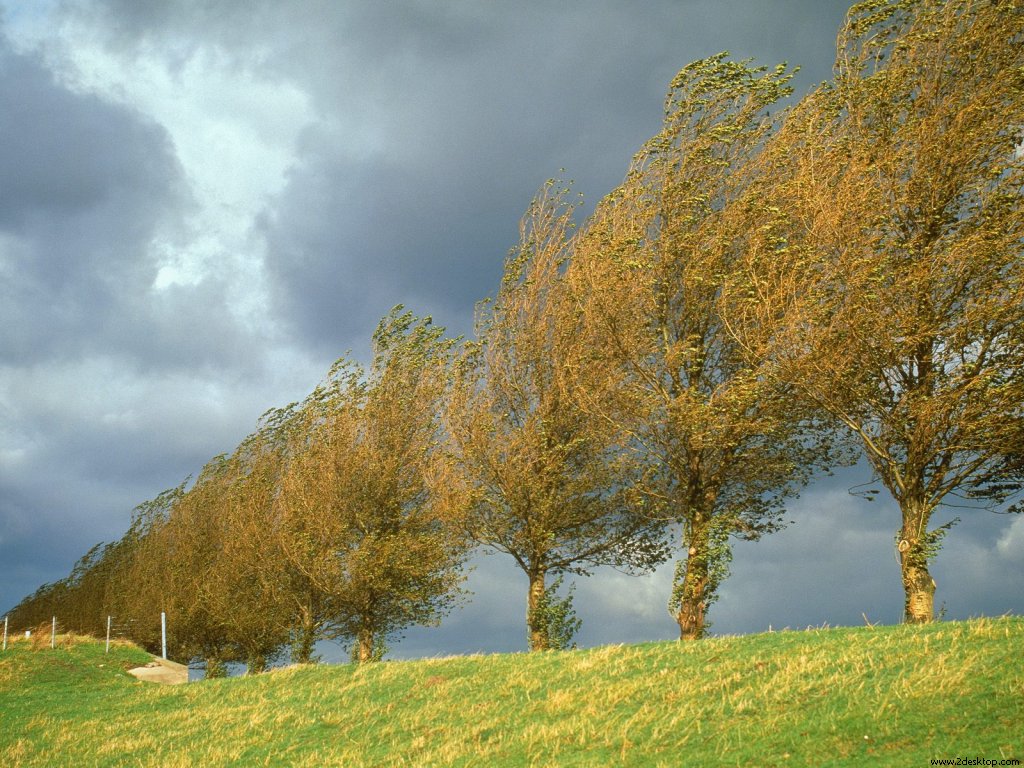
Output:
(833, 697)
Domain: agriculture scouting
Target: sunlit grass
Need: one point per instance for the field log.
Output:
(872, 695)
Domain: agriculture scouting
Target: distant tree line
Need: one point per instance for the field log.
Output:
(770, 293)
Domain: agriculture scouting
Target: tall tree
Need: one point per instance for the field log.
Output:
(722, 444)
(548, 485)
(244, 589)
(897, 294)
(304, 609)
(173, 571)
(360, 510)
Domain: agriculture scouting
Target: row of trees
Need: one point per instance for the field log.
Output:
(769, 293)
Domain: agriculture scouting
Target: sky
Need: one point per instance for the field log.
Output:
(203, 205)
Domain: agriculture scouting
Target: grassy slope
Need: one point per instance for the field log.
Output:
(879, 696)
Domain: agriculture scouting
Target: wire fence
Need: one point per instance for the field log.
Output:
(47, 633)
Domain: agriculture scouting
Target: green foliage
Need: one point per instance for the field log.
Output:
(925, 549)
(301, 647)
(215, 668)
(556, 618)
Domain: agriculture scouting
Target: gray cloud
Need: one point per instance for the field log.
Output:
(109, 390)
(438, 125)
(412, 194)
(85, 184)
(92, 190)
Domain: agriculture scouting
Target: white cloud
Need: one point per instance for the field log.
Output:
(234, 131)
(1010, 545)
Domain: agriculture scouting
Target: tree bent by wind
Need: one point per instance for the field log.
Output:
(363, 514)
(720, 444)
(894, 290)
(544, 483)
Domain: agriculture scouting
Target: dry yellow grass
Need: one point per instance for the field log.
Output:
(882, 695)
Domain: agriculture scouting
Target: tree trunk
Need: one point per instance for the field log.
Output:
(215, 668)
(256, 664)
(536, 621)
(693, 589)
(305, 637)
(918, 585)
(364, 649)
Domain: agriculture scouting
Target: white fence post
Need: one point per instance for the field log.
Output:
(53, 633)
(163, 633)
(5, 633)
(108, 634)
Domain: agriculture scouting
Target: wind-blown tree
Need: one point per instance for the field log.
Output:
(173, 571)
(307, 532)
(244, 588)
(548, 485)
(722, 444)
(77, 601)
(208, 566)
(302, 609)
(119, 560)
(139, 586)
(95, 587)
(90, 593)
(197, 566)
(40, 607)
(361, 513)
(83, 592)
(897, 292)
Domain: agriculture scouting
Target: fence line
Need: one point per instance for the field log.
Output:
(114, 630)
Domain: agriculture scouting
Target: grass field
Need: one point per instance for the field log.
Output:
(898, 696)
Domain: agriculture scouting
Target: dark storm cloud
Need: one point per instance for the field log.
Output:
(347, 241)
(88, 187)
(105, 384)
(423, 210)
(440, 122)
(84, 183)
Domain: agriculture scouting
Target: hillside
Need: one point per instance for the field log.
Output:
(898, 695)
